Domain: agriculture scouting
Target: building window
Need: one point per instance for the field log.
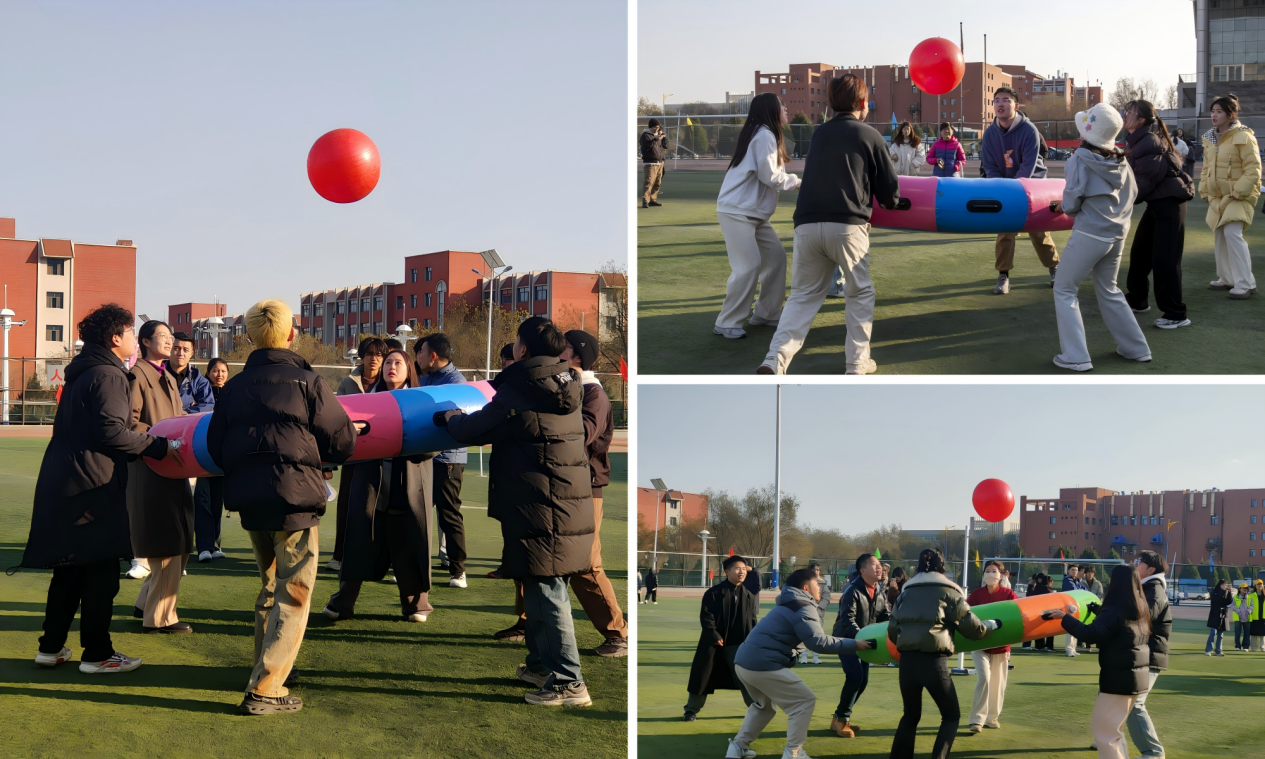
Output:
(542, 292)
(1253, 503)
(1253, 519)
(377, 303)
(412, 301)
(429, 273)
(53, 333)
(340, 331)
(1250, 535)
(378, 328)
(783, 90)
(1053, 520)
(427, 301)
(426, 323)
(1052, 536)
(1251, 552)
(319, 309)
(57, 267)
(1227, 73)
(412, 275)
(524, 293)
(1214, 519)
(1086, 520)
(307, 310)
(364, 304)
(353, 305)
(399, 301)
(1133, 520)
(56, 300)
(672, 521)
(507, 297)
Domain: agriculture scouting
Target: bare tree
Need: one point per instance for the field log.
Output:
(1127, 90)
(645, 107)
(746, 524)
(1169, 101)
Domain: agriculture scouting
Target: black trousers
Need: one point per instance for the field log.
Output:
(652, 594)
(398, 553)
(856, 676)
(90, 590)
(208, 513)
(919, 671)
(341, 510)
(447, 496)
(1157, 251)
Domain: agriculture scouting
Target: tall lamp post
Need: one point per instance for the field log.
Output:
(659, 487)
(777, 494)
(404, 333)
(213, 329)
(7, 323)
(493, 261)
(703, 574)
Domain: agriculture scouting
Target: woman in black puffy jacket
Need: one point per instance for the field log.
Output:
(1120, 629)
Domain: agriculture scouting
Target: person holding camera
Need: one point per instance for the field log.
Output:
(654, 146)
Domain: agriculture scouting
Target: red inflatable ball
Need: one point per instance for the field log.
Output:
(343, 166)
(936, 66)
(993, 500)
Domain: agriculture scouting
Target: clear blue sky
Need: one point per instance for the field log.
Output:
(698, 50)
(185, 127)
(862, 456)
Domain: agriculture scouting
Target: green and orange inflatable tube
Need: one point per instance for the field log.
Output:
(1018, 621)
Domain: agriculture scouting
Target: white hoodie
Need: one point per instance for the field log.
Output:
(751, 187)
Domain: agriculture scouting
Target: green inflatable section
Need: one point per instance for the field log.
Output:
(1009, 615)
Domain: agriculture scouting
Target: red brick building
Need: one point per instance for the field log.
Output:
(431, 281)
(674, 507)
(1230, 523)
(181, 317)
(53, 283)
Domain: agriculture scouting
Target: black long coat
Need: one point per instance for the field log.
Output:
(83, 476)
(365, 554)
(1219, 608)
(717, 607)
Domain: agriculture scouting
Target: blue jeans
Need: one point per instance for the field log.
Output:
(856, 676)
(836, 282)
(1240, 632)
(1214, 633)
(1141, 729)
(550, 633)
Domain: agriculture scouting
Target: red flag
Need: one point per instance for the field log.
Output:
(731, 550)
(623, 369)
(59, 387)
(1060, 554)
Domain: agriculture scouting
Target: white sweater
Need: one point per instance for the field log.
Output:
(751, 187)
(908, 158)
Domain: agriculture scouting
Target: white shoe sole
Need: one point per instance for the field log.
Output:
(52, 660)
(330, 613)
(1073, 367)
(91, 668)
(417, 618)
(531, 698)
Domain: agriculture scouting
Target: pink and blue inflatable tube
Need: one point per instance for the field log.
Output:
(400, 424)
(992, 206)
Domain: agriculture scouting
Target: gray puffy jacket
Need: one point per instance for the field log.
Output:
(793, 624)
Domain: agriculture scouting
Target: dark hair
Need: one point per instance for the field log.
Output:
(147, 333)
(765, 111)
(1007, 90)
(731, 560)
(862, 559)
(1114, 153)
(541, 337)
(371, 345)
(800, 577)
(104, 323)
(1147, 113)
(181, 337)
(914, 139)
(1179, 129)
(1229, 104)
(930, 560)
(945, 125)
(507, 351)
(1154, 561)
(410, 379)
(898, 571)
(438, 343)
(1124, 592)
(213, 362)
(994, 563)
(1090, 568)
(848, 93)
(653, 123)
(393, 344)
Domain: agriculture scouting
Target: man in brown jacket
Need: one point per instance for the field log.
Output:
(160, 509)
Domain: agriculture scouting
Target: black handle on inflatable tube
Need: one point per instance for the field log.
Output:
(983, 206)
(904, 205)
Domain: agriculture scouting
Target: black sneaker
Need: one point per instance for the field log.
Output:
(138, 612)
(655, 204)
(511, 634)
(258, 705)
(689, 717)
(178, 627)
(644, 204)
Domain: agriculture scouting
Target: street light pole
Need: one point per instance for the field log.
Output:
(493, 261)
(659, 486)
(7, 323)
(702, 581)
(777, 494)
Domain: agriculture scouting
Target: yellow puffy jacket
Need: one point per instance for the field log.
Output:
(1231, 176)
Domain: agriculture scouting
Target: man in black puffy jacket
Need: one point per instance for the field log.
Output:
(274, 424)
(539, 489)
(863, 602)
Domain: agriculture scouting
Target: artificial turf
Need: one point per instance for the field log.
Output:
(372, 686)
(935, 311)
(1046, 712)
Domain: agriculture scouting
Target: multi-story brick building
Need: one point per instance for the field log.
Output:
(182, 316)
(674, 508)
(1228, 525)
(53, 283)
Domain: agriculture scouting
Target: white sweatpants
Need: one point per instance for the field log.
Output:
(780, 687)
(1107, 725)
(756, 256)
(990, 686)
(817, 249)
(1234, 261)
(1082, 256)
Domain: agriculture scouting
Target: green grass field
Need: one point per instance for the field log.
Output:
(1196, 704)
(372, 686)
(935, 311)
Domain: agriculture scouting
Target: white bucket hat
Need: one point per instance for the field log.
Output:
(1099, 125)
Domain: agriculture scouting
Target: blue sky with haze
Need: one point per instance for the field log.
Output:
(185, 127)
(862, 456)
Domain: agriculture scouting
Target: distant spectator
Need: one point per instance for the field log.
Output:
(654, 145)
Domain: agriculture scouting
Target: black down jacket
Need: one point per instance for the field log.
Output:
(273, 425)
(538, 486)
(80, 508)
(1123, 654)
(1155, 588)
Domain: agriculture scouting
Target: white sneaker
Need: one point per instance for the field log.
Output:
(1070, 654)
(756, 321)
(334, 565)
(52, 660)
(458, 582)
(330, 613)
(733, 333)
(976, 728)
(769, 366)
(799, 753)
(204, 556)
(184, 573)
(116, 663)
(1239, 293)
(1063, 363)
(217, 554)
(419, 617)
(1140, 360)
(737, 752)
(137, 572)
(1172, 323)
(1217, 284)
(390, 580)
(866, 366)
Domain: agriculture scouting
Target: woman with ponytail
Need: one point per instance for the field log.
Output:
(748, 198)
(1158, 242)
(1231, 183)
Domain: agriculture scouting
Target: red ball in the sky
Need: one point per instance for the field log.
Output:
(993, 500)
(343, 166)
(936, 65)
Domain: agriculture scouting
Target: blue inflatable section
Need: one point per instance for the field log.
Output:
(980, 205)
(419, 404)
(199, 447)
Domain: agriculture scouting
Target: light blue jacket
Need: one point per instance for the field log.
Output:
(792, 625)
